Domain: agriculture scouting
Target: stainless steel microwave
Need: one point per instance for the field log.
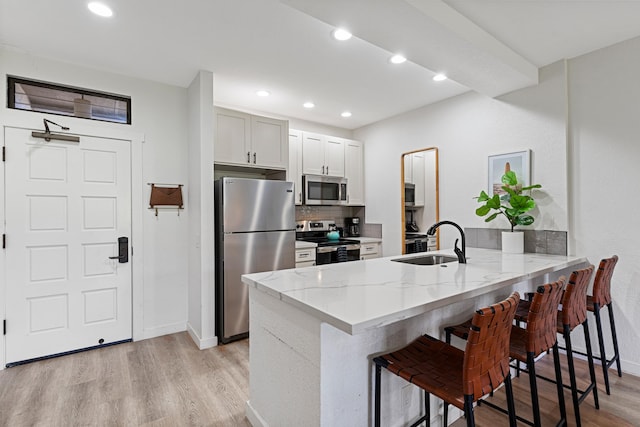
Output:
(324, 190)
(409, 194)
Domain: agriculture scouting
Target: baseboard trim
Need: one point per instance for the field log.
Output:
(159, 331)
(254, 418)
(628, 367)
(200, 342)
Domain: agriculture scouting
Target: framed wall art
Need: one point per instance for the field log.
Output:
(518, 162)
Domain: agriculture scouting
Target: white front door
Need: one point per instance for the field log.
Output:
(66, 206)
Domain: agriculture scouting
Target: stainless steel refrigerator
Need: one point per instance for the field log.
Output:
(254, 232)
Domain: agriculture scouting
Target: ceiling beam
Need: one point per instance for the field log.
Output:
(433, 35)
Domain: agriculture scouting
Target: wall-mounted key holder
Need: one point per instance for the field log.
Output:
(166, 196)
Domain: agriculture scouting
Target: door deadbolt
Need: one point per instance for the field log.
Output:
(123, 250)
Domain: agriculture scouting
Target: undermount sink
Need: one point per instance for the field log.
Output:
(427, 259)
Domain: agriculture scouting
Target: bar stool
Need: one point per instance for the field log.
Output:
(572, 314)
(602, 297)
(527, 343)
(455, 376)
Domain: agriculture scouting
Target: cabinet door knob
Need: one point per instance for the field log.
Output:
(327, 170)
(322, 170)
(254, 158)
(248, 156)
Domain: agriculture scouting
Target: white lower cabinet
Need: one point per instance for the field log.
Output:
(370, 250)
(305, 257)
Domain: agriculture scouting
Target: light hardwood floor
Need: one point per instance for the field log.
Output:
(167, 381)
(164, 381)
(620, 409)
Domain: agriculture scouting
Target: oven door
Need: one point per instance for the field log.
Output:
(338, 253)
(415, 245)
(325, 190)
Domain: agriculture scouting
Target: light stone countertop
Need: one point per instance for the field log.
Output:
(366, 239)
(358, 296)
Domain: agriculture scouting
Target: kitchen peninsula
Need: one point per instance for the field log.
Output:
(315, 330)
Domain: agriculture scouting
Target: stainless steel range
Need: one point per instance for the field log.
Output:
(418, 242)
(329, 249)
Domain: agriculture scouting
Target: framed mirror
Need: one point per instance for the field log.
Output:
(419, 199)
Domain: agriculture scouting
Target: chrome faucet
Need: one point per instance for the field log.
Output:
(462, 258)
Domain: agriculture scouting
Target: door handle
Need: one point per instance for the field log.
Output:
(123, 250)
(254, 158)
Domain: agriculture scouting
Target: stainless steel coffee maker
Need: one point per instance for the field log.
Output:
(353, 226)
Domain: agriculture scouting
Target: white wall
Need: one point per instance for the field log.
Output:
(160, 113)
(466, 129)
(201, 325)
(604, 175)
(588, 176)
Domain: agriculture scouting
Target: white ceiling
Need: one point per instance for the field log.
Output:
(491, 46)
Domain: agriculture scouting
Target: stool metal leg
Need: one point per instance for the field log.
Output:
(533, 384)
(592, 370)
(445, 413)
(377, 396)
(615, 338)
(572, 375)
(556, 364)
(468, 410)
(510, 402)
(427, 407)
(603, 356)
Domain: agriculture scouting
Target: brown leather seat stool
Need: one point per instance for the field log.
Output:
(602, 297)
(526, 344)
(572, 314)
(455, 376)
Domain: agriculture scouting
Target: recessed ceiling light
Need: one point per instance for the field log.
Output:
(308, 104)
(341, 34)
(439, 77)
(397, 59)
(263, 93)
(100, 9)
(346, 114)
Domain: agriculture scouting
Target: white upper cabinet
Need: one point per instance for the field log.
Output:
(294, 172)
(334, 156)
(270, 145)
(233, 137)
(354, 172)
(418, 177)
(414, 173)
(408, 169)
(252, 141)
(312, 153)
(322, 155)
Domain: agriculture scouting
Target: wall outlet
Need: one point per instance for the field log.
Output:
(406, 396)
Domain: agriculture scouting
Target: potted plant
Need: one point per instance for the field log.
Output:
(514, 205)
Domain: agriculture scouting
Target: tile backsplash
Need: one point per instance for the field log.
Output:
(338, 214)
(535, 241)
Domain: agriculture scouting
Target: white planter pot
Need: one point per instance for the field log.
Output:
(513, 242)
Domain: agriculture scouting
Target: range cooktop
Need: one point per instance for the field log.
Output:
(323, 241)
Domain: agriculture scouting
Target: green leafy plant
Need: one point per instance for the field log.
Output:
(514, 205)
